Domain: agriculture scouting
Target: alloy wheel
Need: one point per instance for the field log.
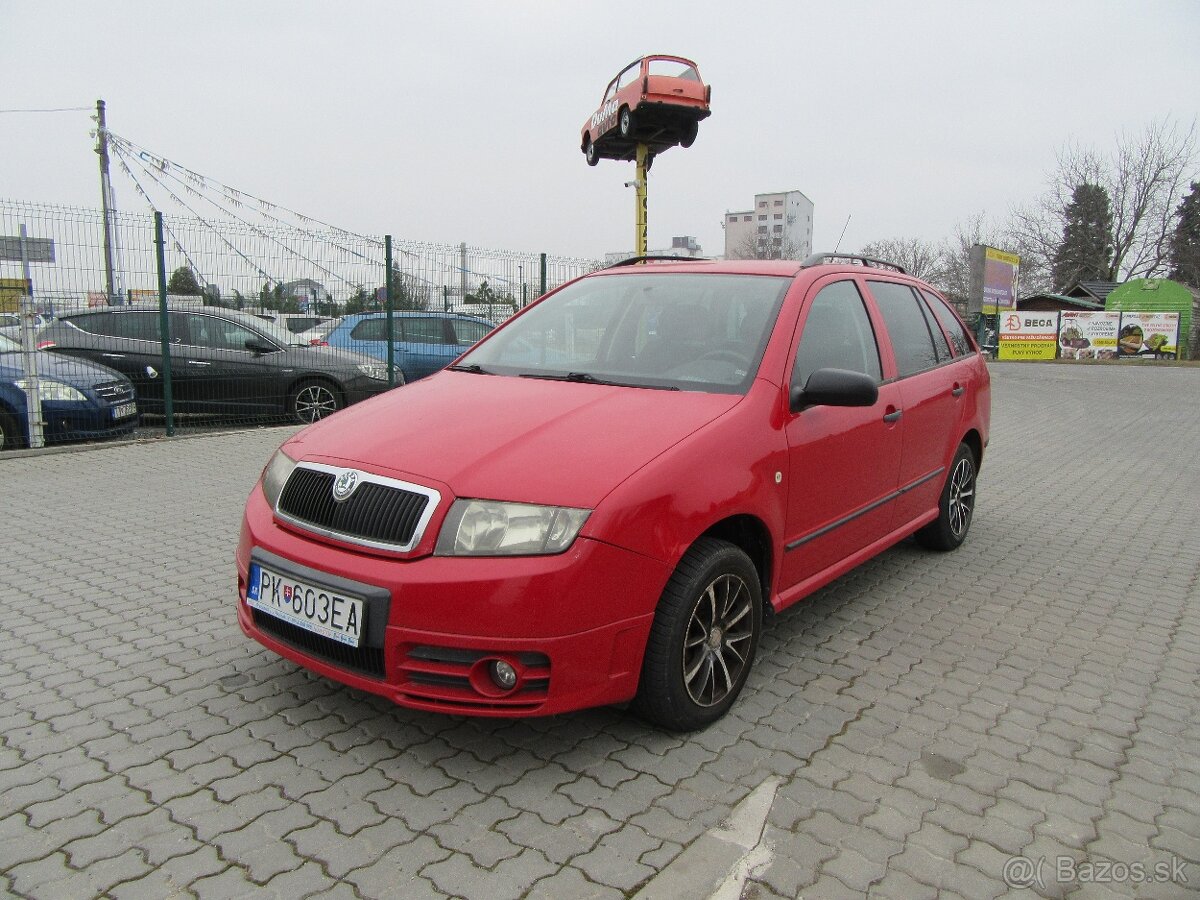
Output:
(962, 496)
(717, 642)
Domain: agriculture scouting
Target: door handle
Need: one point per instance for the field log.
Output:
(893, 416)
(958, 390)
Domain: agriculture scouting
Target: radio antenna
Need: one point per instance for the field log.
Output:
(843, 234)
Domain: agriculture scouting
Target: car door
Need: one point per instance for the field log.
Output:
(215, 371)
(843, 461)
(123, 339)
(428, 343)
(929, 394)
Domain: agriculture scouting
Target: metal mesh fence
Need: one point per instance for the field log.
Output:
(229, 346)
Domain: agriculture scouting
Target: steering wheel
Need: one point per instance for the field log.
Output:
(729, 356)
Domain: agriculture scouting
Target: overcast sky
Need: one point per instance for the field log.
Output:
(457, 122)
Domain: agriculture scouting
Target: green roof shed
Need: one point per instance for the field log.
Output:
(1154, 295)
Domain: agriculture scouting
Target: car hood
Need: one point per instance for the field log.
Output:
(507, 438)
(69, 369)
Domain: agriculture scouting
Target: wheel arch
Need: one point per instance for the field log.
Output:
(749, 534)
(973, 440)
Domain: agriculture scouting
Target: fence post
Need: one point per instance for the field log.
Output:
(445, 298)
(542, 275)
(164, 323)
(33, 392)
(387, 299)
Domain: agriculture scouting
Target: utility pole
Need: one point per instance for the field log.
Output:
(106, 200)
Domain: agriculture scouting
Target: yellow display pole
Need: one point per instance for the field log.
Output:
(639, 240)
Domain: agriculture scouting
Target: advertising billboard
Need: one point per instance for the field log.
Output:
(1028, 335)
(994, 275)
(1148, 335)
(1088, 335)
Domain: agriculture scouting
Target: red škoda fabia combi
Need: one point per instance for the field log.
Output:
(604, 498)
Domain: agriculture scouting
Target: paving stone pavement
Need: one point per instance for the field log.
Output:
(916, 727)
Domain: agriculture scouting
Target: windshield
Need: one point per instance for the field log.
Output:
(694, 332)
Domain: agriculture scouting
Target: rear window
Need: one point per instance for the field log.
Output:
(950, 322)
(672, 69)
(912, 341)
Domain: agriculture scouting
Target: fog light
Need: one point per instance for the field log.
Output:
(504, 675)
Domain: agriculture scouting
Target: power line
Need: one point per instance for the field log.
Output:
(56, 110)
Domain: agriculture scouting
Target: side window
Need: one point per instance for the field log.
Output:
(373, 330)
(140, 326)
(939, 339)
(629, 76)
(419, 330)
(906, 325)
(467, 332)
(958, 335)
(215, 333)
(837, 335)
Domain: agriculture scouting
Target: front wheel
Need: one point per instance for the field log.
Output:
(590, 153)
(311, 401)
(956, 506)
(689, 135)
(703, 639)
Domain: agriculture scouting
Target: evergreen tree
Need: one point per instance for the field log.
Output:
(183, 282)
(1185, 241)
(1085, 253)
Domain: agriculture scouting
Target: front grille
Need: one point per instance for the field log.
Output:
(380, 512)
(365, 660)
(115, 392)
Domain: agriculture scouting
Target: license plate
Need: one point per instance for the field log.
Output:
(313, 608)
(124, 411)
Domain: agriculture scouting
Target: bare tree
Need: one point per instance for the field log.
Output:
(921, 258)
(1143, 176)
(763, 246)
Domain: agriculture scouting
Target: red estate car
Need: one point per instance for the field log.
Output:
(656, 100)
(607, 496)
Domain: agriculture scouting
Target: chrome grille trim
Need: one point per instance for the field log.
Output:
(415, 493)
(115, 392)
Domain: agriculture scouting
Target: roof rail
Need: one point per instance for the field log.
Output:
(856, 258)
(634, 260)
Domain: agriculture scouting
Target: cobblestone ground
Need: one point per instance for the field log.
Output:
(909, 732)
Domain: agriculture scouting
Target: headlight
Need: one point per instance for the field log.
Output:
(379, 373)
(493, 528)
(53, 390)
(275, 476)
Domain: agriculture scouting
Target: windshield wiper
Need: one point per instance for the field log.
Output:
(589, 378)
(469, 367)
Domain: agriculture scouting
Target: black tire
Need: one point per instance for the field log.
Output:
(625, 122)
(11, 437)
(689, 135)
(713, 596)
(312, 400)
(590, 153)
(956, 506)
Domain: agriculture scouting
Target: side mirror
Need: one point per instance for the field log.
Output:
(835, 387)
(258, 345)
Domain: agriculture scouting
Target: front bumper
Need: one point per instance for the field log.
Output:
(573, 626)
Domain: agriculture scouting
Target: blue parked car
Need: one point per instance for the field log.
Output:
(424, 341)
(81, 401)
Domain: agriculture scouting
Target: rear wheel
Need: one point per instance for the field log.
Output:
(625, 122)
(956, 507)
(590, 153)
(689, 134)
(702, 643)
(312, 400)
(10, 437)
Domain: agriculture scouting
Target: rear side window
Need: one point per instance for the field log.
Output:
(837, 335)
(912, 341)
(958, 335)
(140, 326)
(424, 331)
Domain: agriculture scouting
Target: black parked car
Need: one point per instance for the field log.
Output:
(222, 362)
